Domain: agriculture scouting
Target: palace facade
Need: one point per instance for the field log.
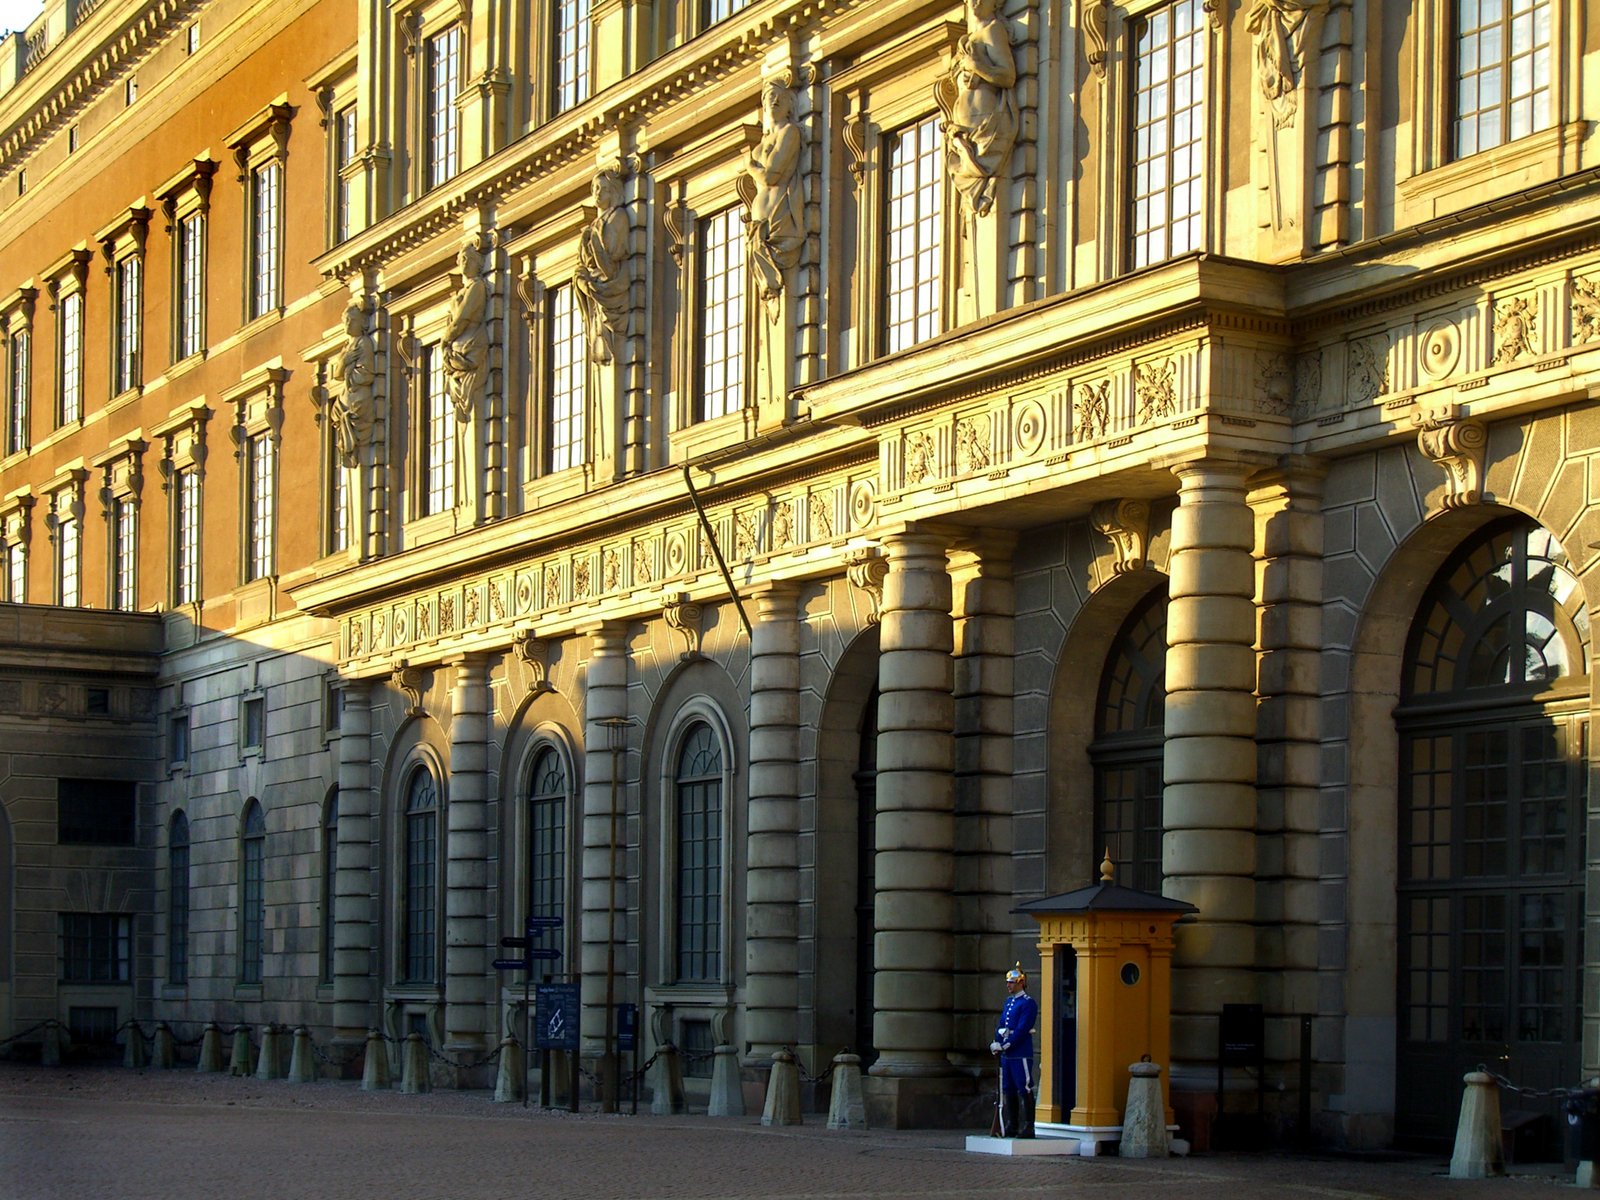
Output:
(777, 485)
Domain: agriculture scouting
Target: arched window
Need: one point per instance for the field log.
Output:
(178, 900)
(1126, 753)
(547, 835)
(252, 897)
(330, 878)
(420, 935)
(697, 784)
(1493, 801)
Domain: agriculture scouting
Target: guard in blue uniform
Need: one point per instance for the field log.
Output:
(1013, 1043)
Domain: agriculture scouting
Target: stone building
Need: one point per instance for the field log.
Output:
(777, 485)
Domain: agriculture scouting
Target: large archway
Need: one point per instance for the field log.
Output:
(1492, 731)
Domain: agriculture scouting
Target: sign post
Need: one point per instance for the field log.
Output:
(533, 930)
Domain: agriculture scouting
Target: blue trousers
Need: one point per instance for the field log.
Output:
(1016, 1075)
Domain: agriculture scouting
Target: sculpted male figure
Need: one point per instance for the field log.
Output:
(350, 376)
(979, 105)
(777, 228)
(466, 336)
(601, 280)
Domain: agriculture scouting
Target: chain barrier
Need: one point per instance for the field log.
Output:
(805, 1075)
(491, 1057)
(17, 1037)
(1565, 1093)
(331, 1061)
(636, 1076)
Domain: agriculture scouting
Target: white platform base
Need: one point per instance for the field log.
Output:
(1034, 1147)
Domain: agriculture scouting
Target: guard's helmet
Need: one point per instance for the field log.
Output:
(1016, 975)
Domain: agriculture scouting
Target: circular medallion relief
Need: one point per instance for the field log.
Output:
(863, 503)
(1028, 424)
(1439, 348)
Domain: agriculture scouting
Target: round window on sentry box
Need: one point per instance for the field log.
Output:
(1130, 973)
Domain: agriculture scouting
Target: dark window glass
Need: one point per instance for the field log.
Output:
(95, 947)
(699, 850)
(96, 812)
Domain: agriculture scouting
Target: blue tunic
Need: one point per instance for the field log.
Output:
(1014, 1032)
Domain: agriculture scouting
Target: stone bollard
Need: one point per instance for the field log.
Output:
(666, 1083)
(1478, 1152)
(727, 1090)
(269, 1063)
(303, 1061)
(166, 1054)
(133, 1046)
(210, 1051)
(1144, 1121)
(243, 1060)
(847, 1107)
(375, 1067)
(512, 1080)
(414, 1066)
(783, 1092)
(50, 1047)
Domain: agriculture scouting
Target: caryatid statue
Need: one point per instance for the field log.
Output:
(466, 335)
(773, 192)
(350, 379)
(601, 280)
(978, 99)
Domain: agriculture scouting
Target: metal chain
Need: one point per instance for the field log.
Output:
(1533, 1093)
(492, 1056)
(330, 1060)
(636, 1076)
(15, 1037)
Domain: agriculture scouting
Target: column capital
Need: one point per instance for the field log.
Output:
(777, 601)
(1297, 477)
(1198, 467)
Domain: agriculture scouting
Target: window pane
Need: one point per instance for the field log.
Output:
(565, 426)
(914, 232)
(1502, 67)
(444, 86)
(1169, 121)
(722, 275)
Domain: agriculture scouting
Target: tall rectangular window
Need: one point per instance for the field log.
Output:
(71, 365)
(16, 573)
(124, 554)
(438, 422)
(252, 896)
(190, 286)
(67, 573)
(261, 464)
(338, 505)
(1168, 132)
(722, 275)
(95, 947)
(566, 431)
(266, 225)
(1503, 72)
(444, 119)
(19, 392)
(344, 153)
(914, 262)
(186, 538)
(128, 332)
(572, 53)
(178, 901)
(720, 10)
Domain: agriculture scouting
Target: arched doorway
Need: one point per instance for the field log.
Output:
(1493, 733)
(1130, 716)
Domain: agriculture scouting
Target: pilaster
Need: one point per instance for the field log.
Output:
(467, 985)
(604, 917)
(354, 967)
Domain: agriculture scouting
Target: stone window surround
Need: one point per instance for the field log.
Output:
(182, 438)
(257, 405)
(16, 322)
(1116, 132)
(417, 326)
(16, 530)
(699, 709)
(66, 277)
(122, 481)
(547, 102)
(65, 503)
(335, 88)
(555, 738)
(1433, 183)
(259, 142)
(122, 240)
(421, 756)
(543, 266)
(701, 183)
(416, 24)
(185, 196)
(878, 97)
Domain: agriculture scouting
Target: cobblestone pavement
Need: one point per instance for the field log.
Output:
(106, 1132)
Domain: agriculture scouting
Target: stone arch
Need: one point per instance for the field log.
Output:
(835, 839)
(1071, 859)
(543, 720)
(420, 744)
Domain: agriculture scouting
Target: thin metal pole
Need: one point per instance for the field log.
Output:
(716, 551)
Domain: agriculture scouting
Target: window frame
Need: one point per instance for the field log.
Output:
(418, 954)
(16, 530)
(186, 207)
(183, 440)
(63, 520)
(122, 247)
(261, 151)
(100, 931)
(252, 895)
(178, 899)
(18, 362)
(565, 92)
(66, 283)
(940, 313)
(735, 309)
(1136, 22)
(329, 828)
(439, 108)
(257, 435)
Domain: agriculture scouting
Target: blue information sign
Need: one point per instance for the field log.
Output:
(627, 1025)
(555, 1023)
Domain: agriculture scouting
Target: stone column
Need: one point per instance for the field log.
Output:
(772, 874)
(985, 642)
(1209, 801)
(467, 988)
(604, 940)
(913, 952)
(1288, 509)
(354, 1010)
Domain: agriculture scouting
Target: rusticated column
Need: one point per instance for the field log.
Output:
(773, 878)
(354, 1011)
(467, 985)
(1209, 801)
(914, 905)
(1288, 509)
(985, 642)
(603, 956)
